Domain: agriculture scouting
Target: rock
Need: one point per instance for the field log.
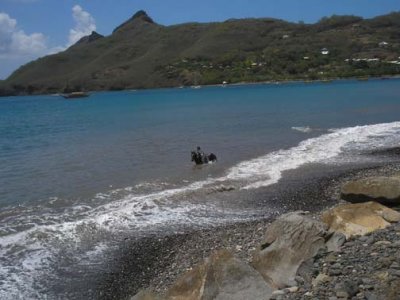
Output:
(278, 292)
(395, 265)
(368, 287)
(366, 280)
(221, 276)
(292, 289)
(385, 190)
(349, 244)
(394, 272)
(288, 242)
(335, 272)
(336, 266)
(331, 257)
(299, 279)
(359, 219)
(371, 296)
(391, 216)
(342, 294)
(146, 295)
(346, 289)
(370, 240)
(321, 278)
(305, 270)
(384, 261)
(382, 276)
(335, 242)
(384, 243)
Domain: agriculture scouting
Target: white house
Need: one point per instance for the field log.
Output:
(383, 44)
(324, 51)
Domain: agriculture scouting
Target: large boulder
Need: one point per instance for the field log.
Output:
(385, 190)
(290, 241)
(359, 219)
(146, 295)
(221, 277)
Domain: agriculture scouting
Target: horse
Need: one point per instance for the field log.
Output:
(203, 159)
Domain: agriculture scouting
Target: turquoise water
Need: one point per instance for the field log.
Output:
(57, 148)
(120, 162)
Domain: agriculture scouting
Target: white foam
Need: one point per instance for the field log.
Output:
(267, 170)
(305, 129)
(27, 254)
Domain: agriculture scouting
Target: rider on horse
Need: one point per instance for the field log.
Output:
(199, 157)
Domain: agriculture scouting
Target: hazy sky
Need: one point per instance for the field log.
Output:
(33, 28)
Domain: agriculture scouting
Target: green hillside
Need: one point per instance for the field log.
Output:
(143, 54)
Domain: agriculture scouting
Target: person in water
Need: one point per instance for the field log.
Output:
(201, 158)
(200, 153)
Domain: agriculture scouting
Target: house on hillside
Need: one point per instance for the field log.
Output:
(383, 44)
(324, 51)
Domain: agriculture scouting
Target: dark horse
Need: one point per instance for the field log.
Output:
(200, 159)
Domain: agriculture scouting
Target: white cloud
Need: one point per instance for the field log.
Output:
(15, 42)
(84, 24)
(18, 47)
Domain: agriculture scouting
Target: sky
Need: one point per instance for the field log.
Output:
(33, 28)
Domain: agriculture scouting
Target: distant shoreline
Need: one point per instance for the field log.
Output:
(288, 81)
(244, 83)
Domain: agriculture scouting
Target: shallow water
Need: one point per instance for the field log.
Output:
(76, 176)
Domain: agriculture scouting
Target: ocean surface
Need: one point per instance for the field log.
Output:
(79, 176)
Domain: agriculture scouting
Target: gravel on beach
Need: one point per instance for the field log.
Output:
(366, 267)
(155, 262)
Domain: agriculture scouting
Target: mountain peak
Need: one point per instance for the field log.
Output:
(142, 15)
(89, 38)
(139, 17)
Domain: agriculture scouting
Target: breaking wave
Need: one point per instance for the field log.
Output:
(267, 170)
(305, 129)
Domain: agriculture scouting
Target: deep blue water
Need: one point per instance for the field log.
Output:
(120, 161)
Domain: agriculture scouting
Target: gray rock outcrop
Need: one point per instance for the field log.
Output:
(221, 277)
(290, 241)
(146, 295)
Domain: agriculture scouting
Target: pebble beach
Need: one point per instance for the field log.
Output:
(154, 263)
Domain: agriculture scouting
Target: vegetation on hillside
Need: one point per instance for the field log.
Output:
(143, 54)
